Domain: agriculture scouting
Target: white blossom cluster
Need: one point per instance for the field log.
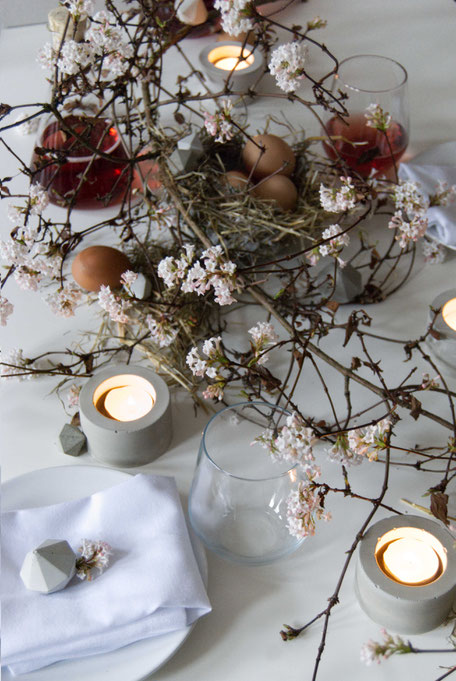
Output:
(94, 556)
(287, 65)
(372, 651)
(263, 334)
(292, 442)
(445, 194)
(338, 199)
(340, 452)
(235, 15)
(63, 302)
(114, 305)
(127, 279)
(213, 352)
(78, 7)
(410, 219)
(408, 198)
(219, 125)
(304, 508)
(162, 332)
(408, 230)
(6, 309)
(337, 241)
(377, 118)
(103, 40)
(369, 441)
(26, 127)
(211, 366)
(27, 252)
(210, 271)
(434, 253)
(13, 363)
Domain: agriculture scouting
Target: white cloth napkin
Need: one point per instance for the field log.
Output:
(152, 585)
(438, 163)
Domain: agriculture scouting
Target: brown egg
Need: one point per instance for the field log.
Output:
(99, 265)
(279, 189)
(236, 179)
(277, 153)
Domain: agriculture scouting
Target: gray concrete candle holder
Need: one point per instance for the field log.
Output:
(126, 443)
(240, 79)
(398, 607)
(444, 348)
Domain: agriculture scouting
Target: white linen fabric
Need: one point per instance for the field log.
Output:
(151, 587)
(438, 163)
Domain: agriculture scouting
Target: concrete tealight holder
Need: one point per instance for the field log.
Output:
(406, 574)
(125, 414)
(229, 60)
(443, 343)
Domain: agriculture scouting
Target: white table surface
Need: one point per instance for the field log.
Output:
(240, 639)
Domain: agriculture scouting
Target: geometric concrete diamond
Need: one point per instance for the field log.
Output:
(49, 567)
(72, 440)
(187, 153)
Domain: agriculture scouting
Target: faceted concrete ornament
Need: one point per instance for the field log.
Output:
(49, 567)
(72, 439)
(187, 153)
(349, 283)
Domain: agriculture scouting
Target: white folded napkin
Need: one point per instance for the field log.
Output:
(152, 585)
(438, 163)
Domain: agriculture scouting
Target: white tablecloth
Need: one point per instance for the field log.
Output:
(240, 639)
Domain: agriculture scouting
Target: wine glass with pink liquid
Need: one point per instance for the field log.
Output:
(374, 135)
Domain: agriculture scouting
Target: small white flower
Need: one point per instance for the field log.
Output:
(434, 253)
(39, 199)
(78, 7)
(334, 246)
(408, 231)
(407, 197)
(234, 15)
(27, 127)
(335, 200)
(64, 301)
(94, 556)
(197, 365)
(304, 507)
(377, 118)
(6, 309)
(368, 442)
(114, 305)
(14, 364)
(162, 332)
(287, 65)
(219, 125)
(46, 56)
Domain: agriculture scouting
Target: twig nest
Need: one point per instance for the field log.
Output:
(98, 266)
(279, 189)
(277, 156)
(236, 179)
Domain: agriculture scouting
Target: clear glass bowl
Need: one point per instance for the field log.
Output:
(238, 498)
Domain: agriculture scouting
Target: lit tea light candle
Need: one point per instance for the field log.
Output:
(126, 415)
(124, 398)
(442, 339)
(230, 61)
(449, 313)
(406, 574)
(410, 556)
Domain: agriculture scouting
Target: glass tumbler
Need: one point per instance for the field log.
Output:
(369, 81)
(238, 498)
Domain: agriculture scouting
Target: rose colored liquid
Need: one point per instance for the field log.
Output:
(373, 151)
(104, 184)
